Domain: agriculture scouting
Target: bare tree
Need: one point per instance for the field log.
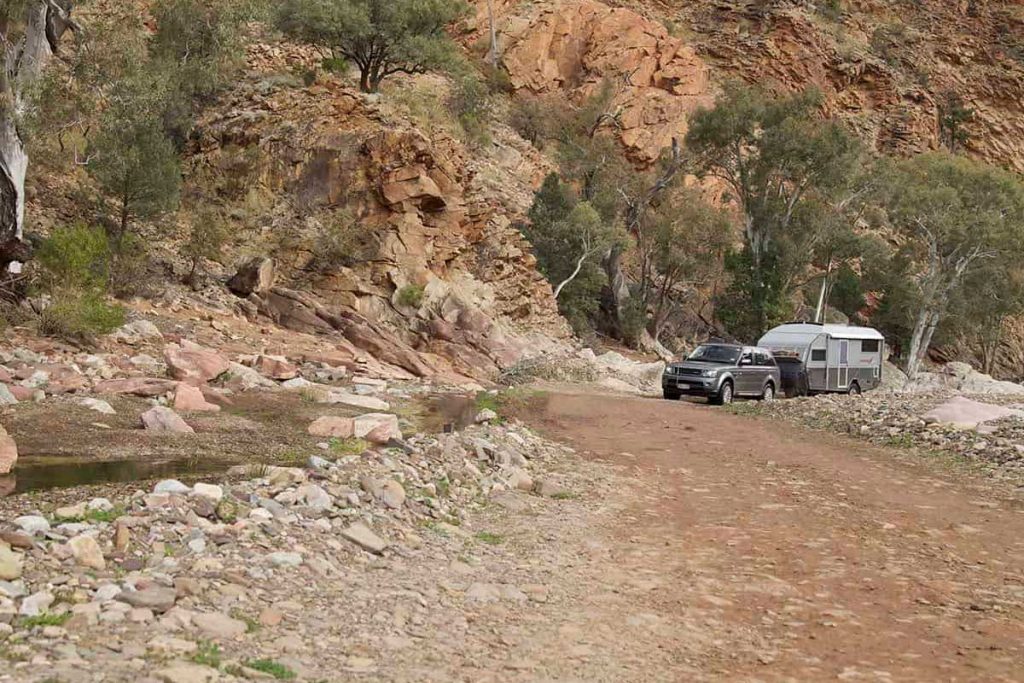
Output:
(30, 33)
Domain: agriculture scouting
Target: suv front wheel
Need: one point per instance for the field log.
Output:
(725, 394)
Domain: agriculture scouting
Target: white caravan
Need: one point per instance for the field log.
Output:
(838, 358)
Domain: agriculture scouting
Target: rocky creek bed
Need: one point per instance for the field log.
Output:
(327, 571)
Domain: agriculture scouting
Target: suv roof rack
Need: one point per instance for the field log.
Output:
(803, 322)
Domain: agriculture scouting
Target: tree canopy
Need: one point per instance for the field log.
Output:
(951, 215)
(380, 37)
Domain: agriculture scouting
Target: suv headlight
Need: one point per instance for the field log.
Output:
(709, 373)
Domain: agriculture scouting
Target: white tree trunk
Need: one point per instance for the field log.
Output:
(23, 63)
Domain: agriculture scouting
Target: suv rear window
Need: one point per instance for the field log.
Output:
(763, 359)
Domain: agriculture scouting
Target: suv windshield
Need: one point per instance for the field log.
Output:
(714, 353)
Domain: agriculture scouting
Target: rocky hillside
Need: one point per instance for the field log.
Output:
(883, 65)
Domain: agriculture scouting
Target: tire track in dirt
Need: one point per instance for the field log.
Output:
(750, 550)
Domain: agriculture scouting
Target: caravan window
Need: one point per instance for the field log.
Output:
(869, 346)
(817, 354)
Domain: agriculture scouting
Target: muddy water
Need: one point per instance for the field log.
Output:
(33, 474)
(438, 413)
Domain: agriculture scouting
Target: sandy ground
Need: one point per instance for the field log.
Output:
(752, 551)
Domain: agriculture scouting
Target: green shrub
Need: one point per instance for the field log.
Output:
(76, 257)
(470, 102)
(334, 65)
(79, 316)
(410, 296)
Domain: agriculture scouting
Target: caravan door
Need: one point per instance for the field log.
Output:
(843, 365)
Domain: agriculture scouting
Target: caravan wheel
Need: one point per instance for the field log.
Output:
(854, 389)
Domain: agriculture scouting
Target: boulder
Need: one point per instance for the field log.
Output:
(381, 426)
(99, 405)
(157, 598)
(253, 277)
(195, 364)
(147, 387)
(11, 563)
(190, 398)
(276, 367)
(87, 552)
(217, 626)
(361, 535)
(357, 400)
(392, 494)
(333, 426)
(8, 452)
(161, 419)
(968, 414)
(6, 397)
(137, 331)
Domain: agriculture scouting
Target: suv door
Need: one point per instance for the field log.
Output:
(746, 373)
(763, 364)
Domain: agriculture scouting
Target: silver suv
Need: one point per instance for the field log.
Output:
(722, 372)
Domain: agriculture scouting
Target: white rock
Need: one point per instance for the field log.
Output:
(486, 415)
(36, 604)
(170, 486)
(107, 592)
(357, 401)
(297, 383)
(211, 491)
(100, 504)
(315, 497)
(284, 559)
(32, 524)
(99, 405)
(6, 397)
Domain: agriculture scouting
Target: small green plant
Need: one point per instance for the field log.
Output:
(251, 625)
(410, 296)
(79, 317)
(269, 666)
(349, 446)
(45, 619)
(565, 495)
(490, 538)
(207, 654)
(292, 456)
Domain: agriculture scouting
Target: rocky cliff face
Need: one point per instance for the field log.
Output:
(427, 215)
(574, 46)
(882, 64)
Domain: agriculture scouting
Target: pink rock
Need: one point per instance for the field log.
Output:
(377, 427)
(276, 367)
(195, 364)
(137, 386)
(161, 419)
(381, 434)
(190, 398)
(333, 426)
(8, 452)
(21, 393)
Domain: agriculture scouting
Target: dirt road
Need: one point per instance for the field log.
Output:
(754, 551)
